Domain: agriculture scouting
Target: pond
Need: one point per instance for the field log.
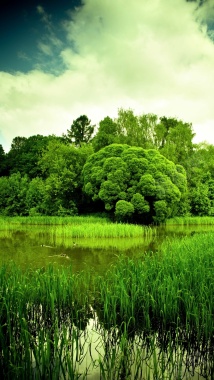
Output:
(99, 351)
(39, 246)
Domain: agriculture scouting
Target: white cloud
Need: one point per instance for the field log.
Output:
(46, 18)
(45, 48)
(48, 44)
(151, 56)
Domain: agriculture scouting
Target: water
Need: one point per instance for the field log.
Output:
(37, 247)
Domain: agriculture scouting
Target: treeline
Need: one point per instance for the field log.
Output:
(136, 168)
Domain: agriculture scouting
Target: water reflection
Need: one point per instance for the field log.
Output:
(95, 348)
(36, 247)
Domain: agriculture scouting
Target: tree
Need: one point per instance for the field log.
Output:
(200, 177)
(200, 165)
(136, 176)
(61, 166)
(171, 136)
(25, 153)
(107, 134)
(35, 197)
(200, 202)
(2, 161)
(124, 211)
(81, 131)
(136, 130)
(13, 191)
(174, 139)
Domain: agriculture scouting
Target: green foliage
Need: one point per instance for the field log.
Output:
(35, 197)
(200, 201)
(161, 211)
(200, 165)
(13, 192)
(172, 137)
(136, 130)
(141, 206)
(2, 161)
(25, 153)
(131, 165)
(81, 131)
(107, 134)
(175, 139)
(124, 211)
(61, 166)
(122, 176)
(159, 293)
(147, 185)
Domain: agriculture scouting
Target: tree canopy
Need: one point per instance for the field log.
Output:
(81, 131)
(172, 137)
(25, 153)
(107, 134)
(131, 179)
(135, 183)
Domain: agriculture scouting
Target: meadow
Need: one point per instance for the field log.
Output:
(147, 318)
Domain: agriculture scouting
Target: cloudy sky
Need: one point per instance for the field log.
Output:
(60, 59)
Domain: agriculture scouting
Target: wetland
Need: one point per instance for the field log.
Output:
(136, 304)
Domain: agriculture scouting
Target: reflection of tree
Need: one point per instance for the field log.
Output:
(163, 355)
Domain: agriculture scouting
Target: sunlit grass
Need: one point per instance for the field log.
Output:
(79, 227)
(101, 230)
(191, 220)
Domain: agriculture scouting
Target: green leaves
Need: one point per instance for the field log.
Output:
(124, 211)
(131, 180)
(147, 185)
(107, 134)
(81, 131)
(141, 206)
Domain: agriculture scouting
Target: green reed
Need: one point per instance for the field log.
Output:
(170, 288)
(51, 220)
(101, 230)
(38, 314)
(191, 220)
(162, 302)
(80, 227)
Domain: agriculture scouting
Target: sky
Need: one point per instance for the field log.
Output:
(60, 59)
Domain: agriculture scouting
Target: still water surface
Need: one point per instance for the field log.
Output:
(36, 247)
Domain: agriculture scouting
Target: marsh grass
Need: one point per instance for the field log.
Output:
(103, 230)
(79, 227)
(158, 309)
(39, 312)
(191, 220)
(52, 220)
(170, 288)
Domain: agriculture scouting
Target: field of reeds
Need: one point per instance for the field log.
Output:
(79, 227)
(52, 220)
(191, 220)
(149, 318)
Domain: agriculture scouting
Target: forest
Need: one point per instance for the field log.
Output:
(137, 169)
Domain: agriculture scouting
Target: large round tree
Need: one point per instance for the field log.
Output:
(135, 184)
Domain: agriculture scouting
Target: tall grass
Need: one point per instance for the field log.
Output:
(173, 287)
(39, 312)
(79, 227)
(191, 220)
(157, 309)
(104, 230)
(52, 220)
